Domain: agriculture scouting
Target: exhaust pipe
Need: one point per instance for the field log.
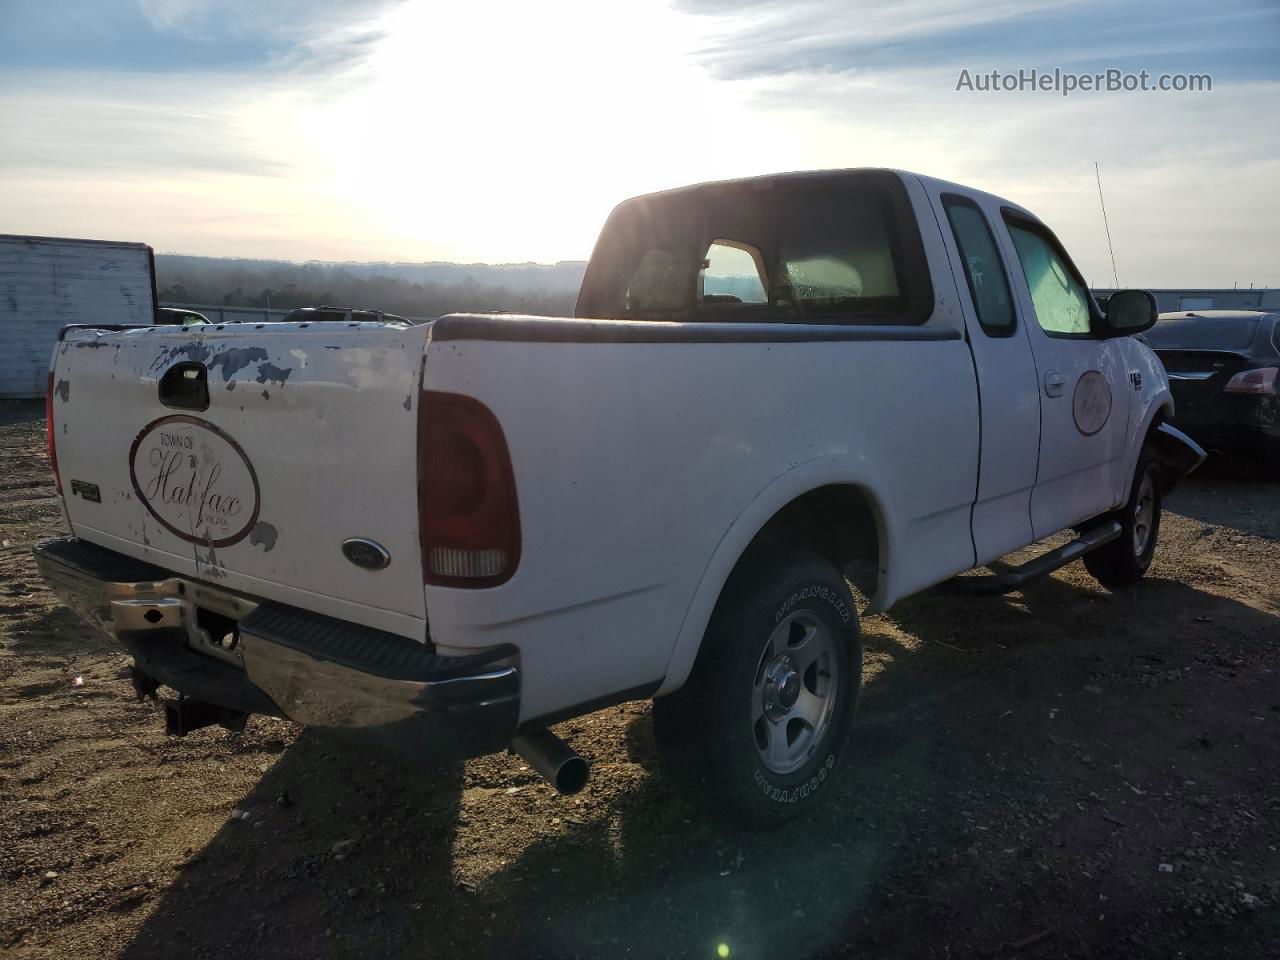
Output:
(554, 759)
(183, 716)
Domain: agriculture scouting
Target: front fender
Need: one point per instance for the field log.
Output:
(845, 470)
(1153, 403)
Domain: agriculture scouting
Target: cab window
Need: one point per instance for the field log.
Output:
(983, 267)
(1061, 300)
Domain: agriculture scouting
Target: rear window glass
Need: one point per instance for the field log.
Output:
(839, 249)
(735, 273)
(1203, 333)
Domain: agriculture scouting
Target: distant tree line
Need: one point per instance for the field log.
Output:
(411, 290)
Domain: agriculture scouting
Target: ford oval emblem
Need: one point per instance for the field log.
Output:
(365, 553)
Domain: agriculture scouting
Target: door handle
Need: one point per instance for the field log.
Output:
(1053, 383)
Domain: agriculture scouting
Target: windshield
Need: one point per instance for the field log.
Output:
(1203, 333)
(798, 251)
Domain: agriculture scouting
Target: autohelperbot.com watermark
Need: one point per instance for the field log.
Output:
(1066, 82)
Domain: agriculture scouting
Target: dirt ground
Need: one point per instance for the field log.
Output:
(1060, 772)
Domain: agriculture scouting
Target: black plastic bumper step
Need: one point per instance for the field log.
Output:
(361, 648)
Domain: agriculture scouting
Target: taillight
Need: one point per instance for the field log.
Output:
(468, 518)
(48, 432)
(1262, 380)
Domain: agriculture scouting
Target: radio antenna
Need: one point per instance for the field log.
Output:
(1098, 174)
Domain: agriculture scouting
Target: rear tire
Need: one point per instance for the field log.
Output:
(1124, 561)
(759, 727)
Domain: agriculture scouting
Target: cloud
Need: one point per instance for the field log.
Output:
(175, 14)
(498, 129)
(1192, 180)
(170, 88)
(775, 38)
(112, 126)
(161, 36)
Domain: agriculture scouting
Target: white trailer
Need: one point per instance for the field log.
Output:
(47, 282)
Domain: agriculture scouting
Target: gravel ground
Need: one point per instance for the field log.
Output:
(1060, 772)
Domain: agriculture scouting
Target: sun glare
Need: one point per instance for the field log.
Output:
(515, 142)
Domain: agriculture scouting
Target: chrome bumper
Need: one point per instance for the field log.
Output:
(217, 646)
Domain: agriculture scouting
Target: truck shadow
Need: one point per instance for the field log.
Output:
(1224, 496)
(964, 818)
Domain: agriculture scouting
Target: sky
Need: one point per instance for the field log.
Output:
(505, 131)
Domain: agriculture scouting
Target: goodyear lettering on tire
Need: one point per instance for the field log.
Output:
(804, 790)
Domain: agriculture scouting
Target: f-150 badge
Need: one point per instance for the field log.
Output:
(1091, 403)
(195, 480)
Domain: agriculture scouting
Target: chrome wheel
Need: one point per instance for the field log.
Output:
(1144, 511)
(796, 686)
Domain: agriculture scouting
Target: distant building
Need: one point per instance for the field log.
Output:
(1169, 301)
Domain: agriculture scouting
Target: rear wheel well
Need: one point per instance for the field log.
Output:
(837, 522)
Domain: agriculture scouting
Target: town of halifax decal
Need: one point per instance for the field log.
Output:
(195, 480)
(1091, 404)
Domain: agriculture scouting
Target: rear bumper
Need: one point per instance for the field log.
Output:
(1226, 422)
(287, 662)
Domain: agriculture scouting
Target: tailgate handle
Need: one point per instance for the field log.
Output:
(185, 386)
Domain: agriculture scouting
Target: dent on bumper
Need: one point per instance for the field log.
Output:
(288, 662)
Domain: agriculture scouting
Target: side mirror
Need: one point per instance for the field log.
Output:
(1130, 312)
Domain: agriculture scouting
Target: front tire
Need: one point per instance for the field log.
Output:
(760, 726)
(1125, 561)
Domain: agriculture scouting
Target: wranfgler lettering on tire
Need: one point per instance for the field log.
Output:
(820, 593)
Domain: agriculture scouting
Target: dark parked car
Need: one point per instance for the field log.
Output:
(1223, 368)
(341, 314)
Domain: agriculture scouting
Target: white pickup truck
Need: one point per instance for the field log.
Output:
(449, 536)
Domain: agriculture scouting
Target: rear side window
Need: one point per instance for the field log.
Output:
(1060, 298)
(983, 267)
(835, 249)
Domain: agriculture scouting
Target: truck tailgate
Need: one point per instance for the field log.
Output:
(308, 440)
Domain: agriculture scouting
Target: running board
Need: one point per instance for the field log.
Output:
(1041, 566)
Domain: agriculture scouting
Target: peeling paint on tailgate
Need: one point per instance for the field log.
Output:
(327, 433)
